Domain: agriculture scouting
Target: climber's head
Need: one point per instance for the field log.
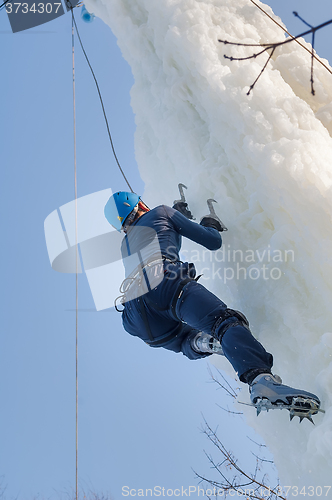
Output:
(123, 208)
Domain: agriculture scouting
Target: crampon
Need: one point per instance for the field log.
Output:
(301, 407)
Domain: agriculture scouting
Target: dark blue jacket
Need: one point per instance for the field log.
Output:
(169, 225)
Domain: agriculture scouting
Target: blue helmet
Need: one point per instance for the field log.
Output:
(119, 206)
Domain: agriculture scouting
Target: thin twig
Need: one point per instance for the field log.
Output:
(262, 459)
(230, 391)
(229, 411)
(260, 445)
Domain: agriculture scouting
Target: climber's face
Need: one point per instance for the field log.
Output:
(135, 214)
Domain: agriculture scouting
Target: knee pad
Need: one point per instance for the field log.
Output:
(237, 314)
(230, 318)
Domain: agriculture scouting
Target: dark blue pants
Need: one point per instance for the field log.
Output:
(196, 310)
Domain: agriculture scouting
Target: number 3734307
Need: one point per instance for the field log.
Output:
(36, 8)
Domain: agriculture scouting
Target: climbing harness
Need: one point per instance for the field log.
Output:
(144, 301)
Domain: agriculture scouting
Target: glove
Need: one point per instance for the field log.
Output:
(211, 222)
(182, 207)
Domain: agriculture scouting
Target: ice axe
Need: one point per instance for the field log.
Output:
(182, 199)
(213, 213)
(181, 205)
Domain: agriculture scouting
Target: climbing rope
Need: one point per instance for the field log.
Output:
(4, 3)
(102, 104)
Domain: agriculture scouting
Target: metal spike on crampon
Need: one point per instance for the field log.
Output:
(304, 408)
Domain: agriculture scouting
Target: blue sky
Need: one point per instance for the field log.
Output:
(139, 411)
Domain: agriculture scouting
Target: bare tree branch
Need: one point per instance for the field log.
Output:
(273, 47)
(230, 475)
(289, 34)
(233, 477)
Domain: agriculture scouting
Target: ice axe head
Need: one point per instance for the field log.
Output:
(183, 199)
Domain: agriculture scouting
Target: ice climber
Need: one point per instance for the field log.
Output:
(166, 306)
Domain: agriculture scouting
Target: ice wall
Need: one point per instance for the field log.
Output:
(266, 158)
